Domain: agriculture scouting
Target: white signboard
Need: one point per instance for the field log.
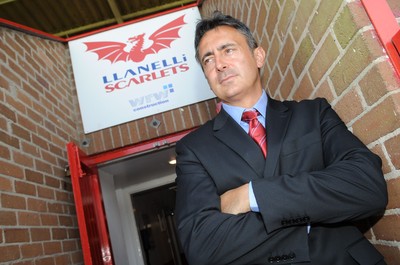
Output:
(138, 70)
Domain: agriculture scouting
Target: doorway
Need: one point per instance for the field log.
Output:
(155, 220)
(139, 199)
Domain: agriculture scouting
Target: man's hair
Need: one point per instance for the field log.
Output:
(219, 19)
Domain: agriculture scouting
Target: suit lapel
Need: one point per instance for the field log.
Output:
(230, 133)
(278, 117)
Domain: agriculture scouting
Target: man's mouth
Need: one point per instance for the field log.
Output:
(226, 77)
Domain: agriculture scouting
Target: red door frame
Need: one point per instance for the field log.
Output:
(88, 198)
(90, 213)
(386, 27)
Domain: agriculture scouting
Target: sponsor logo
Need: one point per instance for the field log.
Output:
(152, 99)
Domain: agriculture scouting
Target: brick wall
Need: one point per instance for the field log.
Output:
(315, 48)
(329, 49)
(37, 117)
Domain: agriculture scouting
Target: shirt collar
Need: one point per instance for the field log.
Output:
(236, 112)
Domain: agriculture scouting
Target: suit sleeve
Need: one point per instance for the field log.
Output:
(346, 185)
(211, 237)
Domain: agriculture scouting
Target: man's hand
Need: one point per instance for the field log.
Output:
(236, 201)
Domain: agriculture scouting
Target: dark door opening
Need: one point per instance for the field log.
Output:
(154, 214)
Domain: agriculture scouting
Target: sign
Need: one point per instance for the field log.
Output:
(138, 70)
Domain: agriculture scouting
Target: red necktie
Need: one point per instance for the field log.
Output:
(256, 129)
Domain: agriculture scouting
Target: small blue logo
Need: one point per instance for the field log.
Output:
(170, 87)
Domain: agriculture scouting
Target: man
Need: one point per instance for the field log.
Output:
(297, 204)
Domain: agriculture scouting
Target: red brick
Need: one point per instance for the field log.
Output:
(16, 235)
(273, 54)
(141, 129)
(32, 250)
(7, 112)
(8, 218)
(394, 193)
(28, 124)
(52, 182)
(393, 148)
(55, 207)
(52, 248)
(9, 140)
(73, 233)
(391, 254)
(303, 55)
(133, 130)
(34, 176)
(25, 188)
(324, 59)
(29, 148)
(349, 106)
(378, 82)
(108, 141)
(63, 196)
(40, 234)
(59, 233)
(28, 219)
(43, 166)
(16, 68)
(69, 245)
(262, 13)
(37, 205)
(126, 140)
(287, 85)
(272, 18)
(388, 228)
(304, 13)
(381, 116)
(116, 136)
(304, 90)
(66, 220)
(286, 55)
(22, 159)
(62, 259)
(9, 253)
(12, 201)
(49, 219)
(6, 184)
(40, 142)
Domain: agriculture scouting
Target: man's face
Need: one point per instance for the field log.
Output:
(231, 68)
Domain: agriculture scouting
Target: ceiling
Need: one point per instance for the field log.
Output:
(141, 168)
(68, 18)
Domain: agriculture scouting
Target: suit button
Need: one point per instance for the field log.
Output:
(292, 255)
(285, 257)
(271, 259)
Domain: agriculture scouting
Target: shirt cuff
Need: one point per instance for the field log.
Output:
(252, 199)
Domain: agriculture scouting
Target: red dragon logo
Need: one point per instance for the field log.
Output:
(133, 49)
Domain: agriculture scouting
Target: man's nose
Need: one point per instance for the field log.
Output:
(220, 63)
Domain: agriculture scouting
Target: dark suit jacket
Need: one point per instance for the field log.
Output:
(316, 172)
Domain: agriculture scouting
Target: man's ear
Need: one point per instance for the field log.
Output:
(259, 54)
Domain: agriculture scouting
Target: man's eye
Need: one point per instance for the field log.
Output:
(207, 61)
